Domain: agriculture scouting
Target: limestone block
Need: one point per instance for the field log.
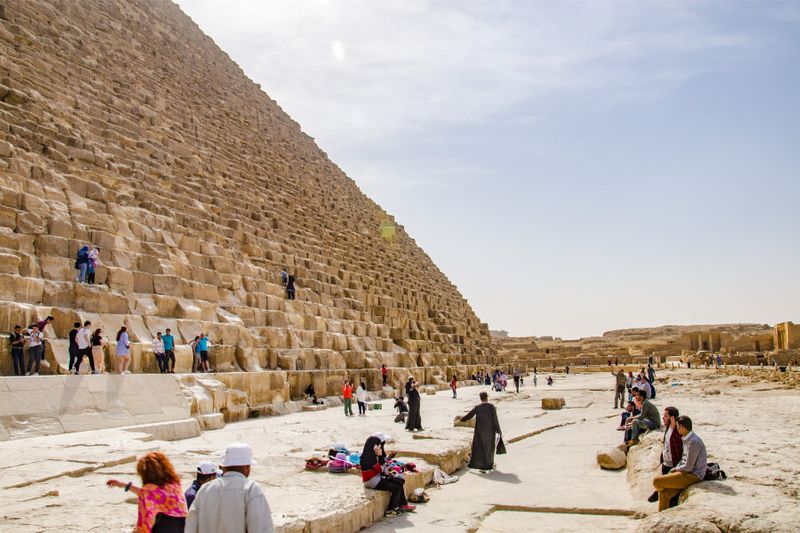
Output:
(430, 391)
(9, 264)
(52, 245)
(552, 403)
(142, 282)
(612, 458)
(223, 358)
(354, 359)
(287, 361)
(15, 288)
(57, 268)
(211, 421)
(98, 299)
(165, 284)
(248, 358)
(120, 280)
(187, 309)
(459, 424)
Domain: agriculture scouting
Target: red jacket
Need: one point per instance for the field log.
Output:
(675, 446)
(347, 391)
(376, 470)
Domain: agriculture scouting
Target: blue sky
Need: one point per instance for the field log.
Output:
(573, 167)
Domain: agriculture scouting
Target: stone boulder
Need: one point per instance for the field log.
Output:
(553, 403)
(612, 458)
(430, 391)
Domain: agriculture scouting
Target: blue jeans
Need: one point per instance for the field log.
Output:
(82, 272)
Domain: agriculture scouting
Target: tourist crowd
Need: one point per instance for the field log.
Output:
(683, 459)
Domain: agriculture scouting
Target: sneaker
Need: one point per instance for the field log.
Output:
(407, 508)
(27, 373)
(127, 372)
(391, 512)
(35, 373)
(95, 372)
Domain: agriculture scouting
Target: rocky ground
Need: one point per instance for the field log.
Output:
(549, 479)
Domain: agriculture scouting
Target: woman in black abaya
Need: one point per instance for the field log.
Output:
(413, 422)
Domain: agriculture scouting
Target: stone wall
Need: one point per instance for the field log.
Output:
(123, 126)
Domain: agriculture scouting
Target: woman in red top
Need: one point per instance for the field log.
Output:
(372, 459)
(454, 385)
(162, 505)
(347, 394)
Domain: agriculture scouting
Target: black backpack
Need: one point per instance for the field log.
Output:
(713, 471)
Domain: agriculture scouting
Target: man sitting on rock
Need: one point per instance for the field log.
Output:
(690, 470)
(630, 410)
(672, 447)
(648, 419)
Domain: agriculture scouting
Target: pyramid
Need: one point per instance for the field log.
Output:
(123, 126)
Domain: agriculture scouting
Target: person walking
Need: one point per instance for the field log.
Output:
(161, 503)
(84, 341)
(169, 350)
(385, 375)
(361, 398)
(206, 471)
(414, 420)
(231, 503)
(158, 350)
(517, 378)
(98, 351)
(17, 342)
(454, 385)
(35, 350)
(619, 388)
(72, 348)
(487, 427)
(347, 396)
(123, 351)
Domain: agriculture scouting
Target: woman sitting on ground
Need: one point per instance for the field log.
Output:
(162, 505)
(373, 458)
(312, 394)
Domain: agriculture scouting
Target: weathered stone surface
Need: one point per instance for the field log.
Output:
(612, 458)
(468, 424)
(552, 403)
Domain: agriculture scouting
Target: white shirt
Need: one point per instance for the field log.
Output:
(230, 504)
(83, 338)
(35, 339)
(667, 449)
(361, 394)
(158, 346)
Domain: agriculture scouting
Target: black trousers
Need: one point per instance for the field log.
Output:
(81, 353)
(169, 357)
(395, 486)
(73, 356)
(161, 359)
(362, 408)
(18, 358)
(168, 524)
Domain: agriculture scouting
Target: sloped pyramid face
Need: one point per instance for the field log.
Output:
(124, 127)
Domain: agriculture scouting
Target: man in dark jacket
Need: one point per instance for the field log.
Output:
(647, 420)
(483, 439)
(672, 449)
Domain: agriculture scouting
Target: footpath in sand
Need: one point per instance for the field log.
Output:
(549, 479)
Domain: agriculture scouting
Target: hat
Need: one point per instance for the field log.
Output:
(237, 454)
(207, 468)
(383, 437)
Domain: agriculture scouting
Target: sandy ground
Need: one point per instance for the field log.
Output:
(57, 483)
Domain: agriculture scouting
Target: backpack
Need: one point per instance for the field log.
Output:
(713, 472)
(83, 257)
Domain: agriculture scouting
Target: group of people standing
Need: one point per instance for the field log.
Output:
(221, 499)
(33, 338)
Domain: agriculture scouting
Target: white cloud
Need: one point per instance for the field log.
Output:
(364, 70)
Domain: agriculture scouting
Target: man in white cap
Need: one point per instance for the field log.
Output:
(231, 503)
(206, 471)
